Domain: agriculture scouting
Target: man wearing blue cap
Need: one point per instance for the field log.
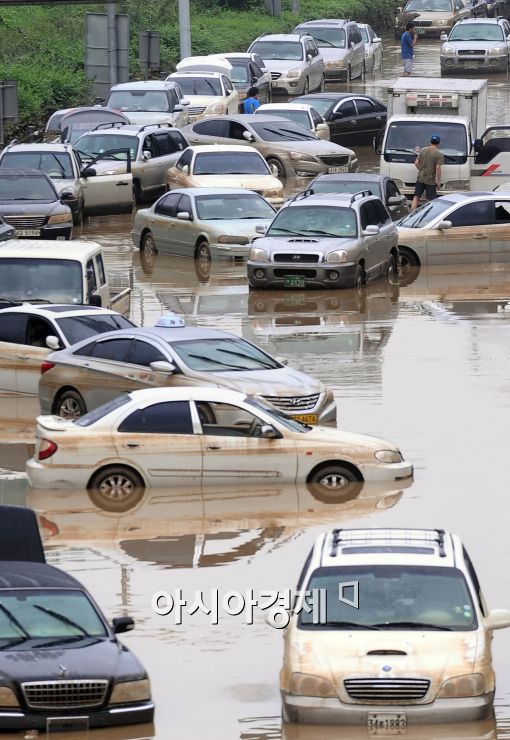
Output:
(428, 162)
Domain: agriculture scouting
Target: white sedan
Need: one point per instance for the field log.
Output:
(373, 47)
(187, 436)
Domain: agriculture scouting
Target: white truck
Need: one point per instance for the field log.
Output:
(419, 107)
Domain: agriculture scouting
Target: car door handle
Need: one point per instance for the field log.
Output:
(121, 184)
(213, 447)
(480, 236)
(132, 445)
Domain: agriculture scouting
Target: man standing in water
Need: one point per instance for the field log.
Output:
(407, 44)
(428, 162)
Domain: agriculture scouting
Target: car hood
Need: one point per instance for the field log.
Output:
(472, 44)
(61, 185)
(282, 65)
(431, 15)
(303, 244)
(250, 182)
(316, 147)
(285, 381)
(34, 208)
(235, 227)
(143, 118)
(195, 100)
(88, 658)
(327, 435)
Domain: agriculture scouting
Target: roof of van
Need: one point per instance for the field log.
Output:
(427, 84)
(48, 248)
(142, 85)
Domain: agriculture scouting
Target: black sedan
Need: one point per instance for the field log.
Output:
(384, 187)
(30, 203)
(352, 118)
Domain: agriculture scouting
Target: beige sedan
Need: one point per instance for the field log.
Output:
(431, 17)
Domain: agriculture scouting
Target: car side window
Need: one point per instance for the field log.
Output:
(315, 117)
(167, 206)
(365, 107)
(473, 214)
(112, 349)
(100, 269)
(256, 71)
(173, 100)
(369, 215)
(347, 109)
(224, 420)
(162, 145)
(149, 145)
(184, 160)
(227, 85)
(502, 212)
(143, 353)
(91, 278)
(184, 205)
(391, 189)
(383, 217)
(237, 130)
(13, 327)
(173, 417)
(212, 128)
(37, 331)
(474, 579)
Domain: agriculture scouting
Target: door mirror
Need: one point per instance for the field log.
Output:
(478, 145)
(282, 360)
(376, 40)
(399, 9)
(371, 230)
(338, 114)
(444, 36)
(67, 195)
(309, 57)
(508, 37)
(146, 155)
(88, 172)
(322, 128)
(52, 342)
(260, 229)
(162, 366)
(267, 431)
(247, 136)
(184, 102)
(178, 108)
(498, 619)
(274, 170)
(185, 169)
(184, 216)
(395, 200)
(122, 624)
(254, 80)
(95, 300)
(442, 225)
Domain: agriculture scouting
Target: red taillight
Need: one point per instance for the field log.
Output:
(46, 366)
(46, 449)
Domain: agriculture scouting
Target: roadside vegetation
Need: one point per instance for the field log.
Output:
(43, 46)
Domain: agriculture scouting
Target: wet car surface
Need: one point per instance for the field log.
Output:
(424, 364)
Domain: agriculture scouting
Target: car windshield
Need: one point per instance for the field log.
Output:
(425, 214)
(405, 138)
(57, 165)
(26, 187)
(300, 117)
(331, 221)
(47, 614)
(391, 597)
(148, 101)
(52, 280)
(76, 328)
(92, 145)
(239, 73)
(346, 186)
(293, 424)
(282, 131)
(282, 50)
(229, 207)
(88, 419)
(199, 85)
(433, 6)
(477, 32)
(230, 163)
(325, 37)
(222, 354)
(322, 105)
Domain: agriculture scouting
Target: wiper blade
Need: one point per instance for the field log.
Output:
(412, 625)
(287, 231)
(14, 641)
(324, 233)
(62, 618)
(246, 357)
(218, 362)
(349, 625)
(62, 641)
(324, 41)
(13, 620)
(404, 151)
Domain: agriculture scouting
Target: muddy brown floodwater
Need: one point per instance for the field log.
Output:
(426, 365)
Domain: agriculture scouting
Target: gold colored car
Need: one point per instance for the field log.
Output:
(431, 17)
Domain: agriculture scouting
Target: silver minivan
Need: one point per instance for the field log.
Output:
(341, 46)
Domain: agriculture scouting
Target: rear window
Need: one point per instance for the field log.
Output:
(88, 419)
(76, 328)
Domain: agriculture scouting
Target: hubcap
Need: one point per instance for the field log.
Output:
(203, 257)
(70, 409)
(116, 487)
(149, 246)
(334, 481)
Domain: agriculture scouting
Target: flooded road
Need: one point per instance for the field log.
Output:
(425, 365)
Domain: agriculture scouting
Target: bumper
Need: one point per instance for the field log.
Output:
(18, 720)
(60, 231)
(49, 476)
(387, 471)
(229, 251)
(335, 73)
(314, 710)
(433, 32)
(327, 415)
(291, 86)
(318, 275)
(483, 64)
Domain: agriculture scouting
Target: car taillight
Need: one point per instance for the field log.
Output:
(46, 366)
(47, 448)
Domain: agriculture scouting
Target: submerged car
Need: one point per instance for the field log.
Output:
(294, 61)
(476, 45)
(188, 435)
(341, 44)
(382, 186)
(81, 378)
(430, 17)
(351, 117)
(430, 661)
(301, 113)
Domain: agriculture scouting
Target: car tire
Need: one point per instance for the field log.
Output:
(289, 716)
(306, 87)
(69, 405)
(335, 483)
(78, 216)
(360, 278)
(137, 192)
(279, 166)
(117, 488)
(322, 84)
(392, 271)
(408, 258)
(203, 260)
(148, 244)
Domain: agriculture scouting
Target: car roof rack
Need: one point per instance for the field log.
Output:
(155, 125)
(360, 194)
(110, 124)
(304, 194)
(388, 536)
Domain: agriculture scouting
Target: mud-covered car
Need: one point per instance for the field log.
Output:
(476, 45)
(431, 17)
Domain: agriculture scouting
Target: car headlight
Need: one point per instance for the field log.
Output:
(462, 687)
(131, 691)
(258, 255)
(293, 73)
(448, 51)
(228, 239)
(216, 108)
(339, 255)
(302, 157)
(444, 22)
(457, 185)
(329, 397)
(496, 50)
(61, 218)
(388, 456)
(8, 697)
(273, 193)
(307, 685)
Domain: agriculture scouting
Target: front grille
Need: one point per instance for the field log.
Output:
(335, 161)
(422, 24)
(296, 258)
(276, 75)
(472, 52)
(279, 273)
(294, 403)
(196, 111)
(382, 690)
(64, 694)
(26, 222)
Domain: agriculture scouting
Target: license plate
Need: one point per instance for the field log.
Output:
(471, 65)
(307, 418)
(67, 724)
(294, 281)
(386, 723)
(420, 31)
(335, 170)
(28, 232)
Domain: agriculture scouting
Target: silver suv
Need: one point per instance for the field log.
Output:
(152, 150)
(341, 45)
(328, 240)
(153, 101)
(481, 44)
(294, 61)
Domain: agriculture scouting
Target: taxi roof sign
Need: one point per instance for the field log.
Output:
(171, 321)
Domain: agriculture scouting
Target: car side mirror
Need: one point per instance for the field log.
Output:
(123, 624)
(444, 36)
(52, 342)
(162, 366)
(247, 136)
(267, 431)
(478, 145)
(498, 619)
(88, 172)
(146, 155)
(322, 128)
(260, 229)
(399, 9)
(184, 216)
(371, 230)
(443, 225)
(67, 195)
(309, 57)
(338, 114)
(184, 102)
(376, 40)
(254, 80)
(274, 170)
(178, 108)
(282, 360)
(95, 300)
(185, 169)
(395, 200)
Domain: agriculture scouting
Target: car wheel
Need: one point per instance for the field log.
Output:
(322, 85)
(203, 260)
(117, 488)
(360, 278)
(279, 166)
(335, 483)
(70, 405)
(306, 88)
(78, 216)
(408, 258)
(148, 244)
